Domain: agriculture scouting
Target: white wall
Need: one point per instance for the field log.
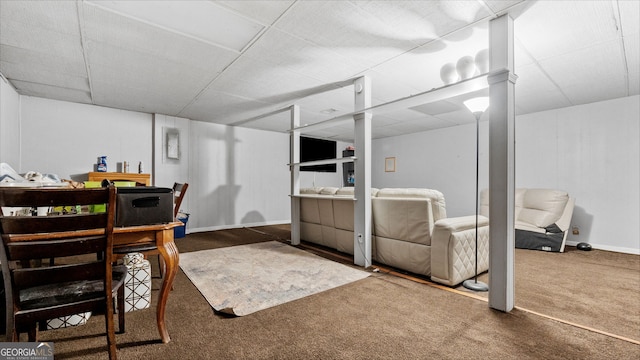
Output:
(237, 176)
(9, 125)
(591, 151)
(66, 138)
(443, 159)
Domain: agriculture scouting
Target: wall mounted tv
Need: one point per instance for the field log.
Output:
(312, 149)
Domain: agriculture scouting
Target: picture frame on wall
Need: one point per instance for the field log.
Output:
(172, 143)
(390, 164)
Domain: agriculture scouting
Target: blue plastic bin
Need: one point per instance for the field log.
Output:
(179, 232)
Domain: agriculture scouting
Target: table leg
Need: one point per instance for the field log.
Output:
(169, 253)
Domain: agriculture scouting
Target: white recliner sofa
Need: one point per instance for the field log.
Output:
(542, 218)
(410, 231)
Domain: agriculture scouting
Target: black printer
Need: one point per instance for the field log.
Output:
(144, 205)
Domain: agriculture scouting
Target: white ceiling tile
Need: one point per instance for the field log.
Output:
(47, 16)
(144, 71)
(462, 116)
(122, 34)
(520, 54)
(256, 79)
(420, 69)
(590, 74)
(554, 28)
(219, 107)
(436, 108)
(346, 30)
(284, 50)
(44, 76)
(535, 89)
(52, 92)
(498, 6)
(265, 12)
(629, 11)
(632, 51)
(41, 40)
(28, 61)
(203, 20)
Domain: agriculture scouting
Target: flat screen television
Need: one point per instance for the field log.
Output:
(312, 149)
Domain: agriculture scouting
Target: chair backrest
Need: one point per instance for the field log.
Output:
(72, 240)
(178, 194)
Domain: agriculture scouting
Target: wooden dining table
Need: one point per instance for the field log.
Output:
(162, 236)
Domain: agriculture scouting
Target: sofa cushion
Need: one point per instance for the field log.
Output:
(345, 191)
(403, 255)
(310, 191)
(408, 219)
(350, 190)
(343, 213)
(328, 190)
(436, 197)
(484, 202)
(309, 211)
(542, 207)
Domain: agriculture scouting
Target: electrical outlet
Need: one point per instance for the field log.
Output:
(575, 231)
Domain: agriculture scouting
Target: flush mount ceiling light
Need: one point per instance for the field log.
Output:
(202, 20)
(329, 111)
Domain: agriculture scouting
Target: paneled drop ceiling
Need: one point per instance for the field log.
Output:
(229, 61)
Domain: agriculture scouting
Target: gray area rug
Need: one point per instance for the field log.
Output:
(240, 280)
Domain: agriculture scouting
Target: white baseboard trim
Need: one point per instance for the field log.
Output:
(625, 250)
(237, 226)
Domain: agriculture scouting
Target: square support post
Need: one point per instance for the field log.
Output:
(294, 158)
(501, 164)
(362, 190)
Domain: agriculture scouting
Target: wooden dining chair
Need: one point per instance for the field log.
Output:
(77, 281)
(178, 194)
(179, 190)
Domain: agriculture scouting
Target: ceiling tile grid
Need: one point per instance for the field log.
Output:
(534, 89)
(52, 92)
(171, 57)
(289, 52)
(590, 74)
(265, 12)
(344, 28)
(555, 28)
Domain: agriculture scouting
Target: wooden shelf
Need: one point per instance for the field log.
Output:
(116, 176)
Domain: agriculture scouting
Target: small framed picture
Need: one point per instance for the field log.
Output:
(390, 164)
(172, 141)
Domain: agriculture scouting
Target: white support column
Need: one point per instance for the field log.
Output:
(501, 164)
(362, 167)
(294, 158)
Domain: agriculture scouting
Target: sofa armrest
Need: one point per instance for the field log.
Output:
(453, 249)
(565, 219)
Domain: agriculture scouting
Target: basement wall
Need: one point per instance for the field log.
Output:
(237, 176)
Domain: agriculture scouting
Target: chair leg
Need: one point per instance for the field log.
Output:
(121, 310)
(110, 327)
(33, 332)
